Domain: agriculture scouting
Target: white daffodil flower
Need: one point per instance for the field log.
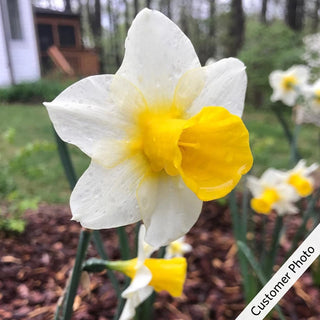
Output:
(287, 85)
(304, 114)
(271, 192)
(312, 94)
(150, 274)
(177, 248)
(210, 61)
(163, 133)
(300, 178)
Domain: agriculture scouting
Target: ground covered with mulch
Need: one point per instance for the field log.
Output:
(35, 266)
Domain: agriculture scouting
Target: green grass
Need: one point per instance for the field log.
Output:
(32, 124)
(269, 146)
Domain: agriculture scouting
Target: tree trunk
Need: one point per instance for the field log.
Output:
(113, 36)
(236, 28)
(295, 14)
(126, 15)
(169, 9)
(184, 18)
(136, 7)
(67, 5)
(315, 21)
(263, 14)
(212, 29)
(97, 20)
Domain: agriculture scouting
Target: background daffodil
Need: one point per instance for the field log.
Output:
(177, 248)
(272, 192)
(151, 274)
(163, 133)
(287, 85)
(300, 178)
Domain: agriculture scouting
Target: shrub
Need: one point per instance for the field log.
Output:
(33, 92)
(267, 48)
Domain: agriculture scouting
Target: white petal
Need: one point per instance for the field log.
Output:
(301, 72)
(176, 209)
(186, 247)
(85, 113)
(110, 153)
(254, 186)
(275, 79)
(137, 298)
(129, 99)
(157, 54)
(289, 98)
(141, 280)
(223, 84)
(107, 198)
(271, 177)
(144, 249)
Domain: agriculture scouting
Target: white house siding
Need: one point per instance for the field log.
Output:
(4, 63)
(23, 52)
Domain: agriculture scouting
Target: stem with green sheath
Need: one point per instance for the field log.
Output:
(84, 240)
(255, 265)
(238, 231)
(72, 179)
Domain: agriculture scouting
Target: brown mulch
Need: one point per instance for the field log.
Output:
(35, 266)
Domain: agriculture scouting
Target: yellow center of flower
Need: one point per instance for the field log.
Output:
(317, 96)
(264, 203)
(210, 150)
(302, 185)
(167, 274)
(176, 248)
(288, 82)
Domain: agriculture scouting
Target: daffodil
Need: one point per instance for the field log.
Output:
(177, 248)
(305, 114)
(150, 274)
(271, 192)
(287, 85)
(312, 94)
(300, 178)
(163, 133)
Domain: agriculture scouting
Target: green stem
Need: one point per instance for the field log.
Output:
(291, 137)
(99, 245)
(76, 273)
(66, 161)
(255, 265)
(124, 243)
(295, 156)
(236, 224)
(98, 265)
(308, 213)
(283, 122)
(262, 246)
(274, 245)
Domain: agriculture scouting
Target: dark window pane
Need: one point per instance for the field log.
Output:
(67, 36)
(45, 36)
(14, 19)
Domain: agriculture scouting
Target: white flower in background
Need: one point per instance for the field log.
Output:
(163, 133)
(177, 248)
(304, 114)
(311, 54)
(287, 85)
(271, 192)
(300, 178)
(150, 274)
(312, 96)
(210, 61)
